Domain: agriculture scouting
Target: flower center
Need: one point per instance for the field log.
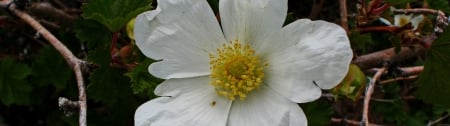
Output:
(404, 20)
(235, 70)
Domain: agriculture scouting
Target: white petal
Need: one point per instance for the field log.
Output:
(195, 104)
(250, 20)
(415, 21)
(296, 90)
(180, 32)
(303, 52)
(385, 21)
(265, 107)
(401, 19)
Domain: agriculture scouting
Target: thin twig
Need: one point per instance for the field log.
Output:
(350, 122)
(369, 93)
(329, 95)
(438, 120)
(407, 71)
(72, 61)
(343, 14)
(399, 78)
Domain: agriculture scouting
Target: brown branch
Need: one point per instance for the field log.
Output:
(72, 61)
(369, 93)
(377, 58)
(60, 4)
(46, 9)
(343, 14)
(316, 8)
(418, 11)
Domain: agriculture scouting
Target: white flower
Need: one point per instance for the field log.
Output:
(250, 72)
(402, 19)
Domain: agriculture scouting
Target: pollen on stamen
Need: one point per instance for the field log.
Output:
(236, 70)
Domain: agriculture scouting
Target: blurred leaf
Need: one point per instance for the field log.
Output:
(141, 80)
(57, 118)
(392, 111)
(434, 83)
(51, 68)
(360, 41)
(114, 14)
(352, 85)
(318, 113)
(289, 19)
(439, 5)
(397, 43)
(13, 87)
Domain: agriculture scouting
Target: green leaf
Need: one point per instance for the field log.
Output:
(114, 14)
(141, 80)
(318, 113)
(92, 32)
(109, 86)
(439, 5)
(98, 40)
(352, 85)
(13, 87)
(50, 68)
(392, 111)
(434, 83)
(100, 56)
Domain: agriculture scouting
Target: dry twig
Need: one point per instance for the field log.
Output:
(399, 78)
(350, 122)
(369, 92)
(377, 58)
(343, 14)
(73, 61)
(438, 120)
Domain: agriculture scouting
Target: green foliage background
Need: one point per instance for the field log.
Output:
(33, 74)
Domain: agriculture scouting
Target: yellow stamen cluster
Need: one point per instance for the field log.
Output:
(404, 20)
(235, 70)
